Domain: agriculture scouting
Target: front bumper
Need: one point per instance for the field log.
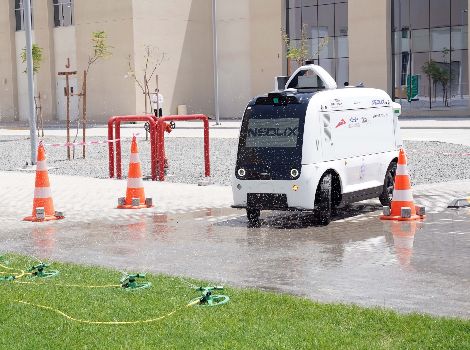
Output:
(284, 194)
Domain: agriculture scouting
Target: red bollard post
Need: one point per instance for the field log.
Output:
(111, 147)
(153, 150)
(160, 150)
(117, 137)
(206, 147)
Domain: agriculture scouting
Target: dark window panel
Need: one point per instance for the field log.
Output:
(440, 39)
(294, 23)
(326, 47)
(309, 2)
(342, 71)
(460, 74)
(403, 18)
(419, 14)
(341, 19)
(440, 13)
(420, 40)
(329, 65)
(459, 38)
(342, 46)
(310, 23)
(326, 20)
(418, 60)
(294, 3)
(459, 12)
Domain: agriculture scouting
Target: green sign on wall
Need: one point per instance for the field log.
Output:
(412, 87)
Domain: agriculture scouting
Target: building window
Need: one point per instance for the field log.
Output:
(325, 26)
(430, 36)
(63, 13)
(19, 15)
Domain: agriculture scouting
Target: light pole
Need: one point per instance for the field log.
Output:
(29, 72)
(216, 62)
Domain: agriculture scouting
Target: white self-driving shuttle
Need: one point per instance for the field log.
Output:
(315, 147)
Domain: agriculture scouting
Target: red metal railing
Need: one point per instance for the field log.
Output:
(161, 141)
(116, 121)
(157, 142)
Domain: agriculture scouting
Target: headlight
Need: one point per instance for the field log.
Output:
(241, 172)
(294, 173)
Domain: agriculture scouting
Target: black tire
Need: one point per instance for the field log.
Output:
(322, 210)
(253, 217)
(389, 183)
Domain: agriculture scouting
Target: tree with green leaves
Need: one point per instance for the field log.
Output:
(300, 52)
(37, 58)
(432, 71)
(101, 49)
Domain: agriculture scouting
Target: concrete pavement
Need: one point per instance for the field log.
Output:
(192, 232)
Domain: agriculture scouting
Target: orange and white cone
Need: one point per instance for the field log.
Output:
(402, 194)
(135, 195)
(43, 205)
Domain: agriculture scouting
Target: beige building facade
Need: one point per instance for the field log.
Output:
(365, 44)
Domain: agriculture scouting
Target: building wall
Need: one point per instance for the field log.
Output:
(8, 88)
(44, 79)
(234, 44)
(109, 92)
(181, 30)
(250, 51)
(370, 43)
(267, 47)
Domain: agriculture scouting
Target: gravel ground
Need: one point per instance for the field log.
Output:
(429, 162)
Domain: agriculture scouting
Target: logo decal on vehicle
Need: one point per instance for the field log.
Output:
(381, 115)
(257, 132)
(336, 103)
(380, 102)
(354, 122)
(341, 123)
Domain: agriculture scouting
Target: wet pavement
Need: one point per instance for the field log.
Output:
(419, 266)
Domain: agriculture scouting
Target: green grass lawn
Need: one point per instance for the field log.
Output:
(251, 320)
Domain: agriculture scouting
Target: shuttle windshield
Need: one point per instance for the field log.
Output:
(272, 134)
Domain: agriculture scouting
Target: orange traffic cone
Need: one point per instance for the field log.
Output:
(43, 206)
(135, 195)
(403, 195)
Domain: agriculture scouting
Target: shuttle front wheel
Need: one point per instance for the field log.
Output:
(322, 211)
(253, 217)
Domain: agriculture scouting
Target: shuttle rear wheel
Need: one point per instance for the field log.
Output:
(253, 217)
(322, 211)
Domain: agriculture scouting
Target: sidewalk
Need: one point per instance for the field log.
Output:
(86, 199)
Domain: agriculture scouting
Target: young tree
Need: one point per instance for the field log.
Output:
(100, 50)
(37, 58)
(37, 61)
(153, 59)
(432, 71)
(300, 52)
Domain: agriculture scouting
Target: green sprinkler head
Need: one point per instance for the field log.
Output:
(40, 271)
(208, 298)
(7, 278)
(130, 281)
